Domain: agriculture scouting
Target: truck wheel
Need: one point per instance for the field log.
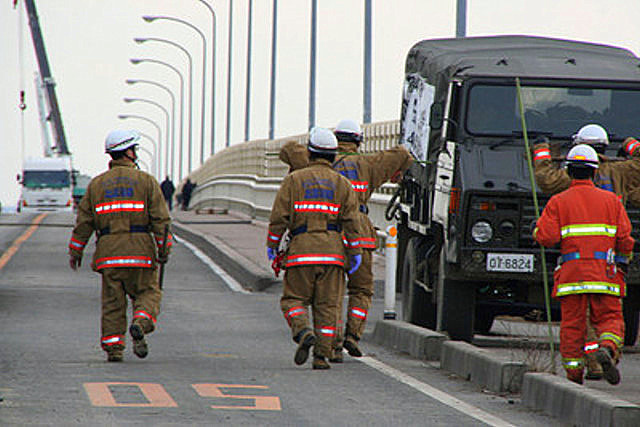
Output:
(456, 304)
(417, 306)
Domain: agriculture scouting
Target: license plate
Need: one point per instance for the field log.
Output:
(511, 263)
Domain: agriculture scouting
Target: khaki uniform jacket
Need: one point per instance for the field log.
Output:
(620, 177)
(316, 204)
(366, 172)
(124, 206)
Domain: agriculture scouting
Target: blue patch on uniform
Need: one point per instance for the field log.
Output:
(348, 169)
(118, 192)
(318, 189)
(604, 182)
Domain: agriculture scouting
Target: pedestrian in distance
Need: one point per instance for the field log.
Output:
(366, 172)
(168, 189)
(124, 206)
(316, 205)
(187, 189)
(619, 176)
(594, 233)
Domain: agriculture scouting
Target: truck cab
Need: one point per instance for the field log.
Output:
(466, 207)
(46, 185)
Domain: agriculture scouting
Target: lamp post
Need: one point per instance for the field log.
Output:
(229, 63)
(153, 161)
(148, 120)
(136, 61)
(153, 143)
(312, 64)
(272, 94)
(213, 75)
(204, 77)
(145, 164)
(247, 102)
(141, 40)
(173, 122)
(166, 113)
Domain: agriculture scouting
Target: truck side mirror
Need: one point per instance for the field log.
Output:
(436, 116)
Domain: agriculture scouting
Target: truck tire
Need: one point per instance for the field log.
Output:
(417, 305)
(456, 304)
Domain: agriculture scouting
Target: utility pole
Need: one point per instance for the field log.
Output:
(461, 18)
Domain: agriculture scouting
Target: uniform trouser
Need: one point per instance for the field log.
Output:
(141, 285)
(320, 286)
(606, 317)
(592, 337)
(360, 292)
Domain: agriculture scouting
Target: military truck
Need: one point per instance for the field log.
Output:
(465, 209)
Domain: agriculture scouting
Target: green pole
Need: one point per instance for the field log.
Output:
(545, 279)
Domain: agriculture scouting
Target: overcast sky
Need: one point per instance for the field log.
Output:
(89, 43)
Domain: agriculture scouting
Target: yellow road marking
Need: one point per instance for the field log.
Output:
(4, 259)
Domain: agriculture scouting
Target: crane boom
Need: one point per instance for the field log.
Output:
(47, 79)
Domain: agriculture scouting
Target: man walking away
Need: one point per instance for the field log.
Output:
(125, 208)
(167, 191)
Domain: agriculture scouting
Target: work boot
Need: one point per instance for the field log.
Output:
(306, 341)
(594, 370)
(604, 356)
(351, 345)
(337, 356)
(319, 362)
(140, 348)
(114, 356)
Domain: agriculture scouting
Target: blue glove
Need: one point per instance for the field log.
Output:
(356, 260)
(271, 253)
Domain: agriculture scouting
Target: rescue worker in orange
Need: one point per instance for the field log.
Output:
(594, 233)
(125, 208)
(366, 172)
(620, 177)
(316, 205)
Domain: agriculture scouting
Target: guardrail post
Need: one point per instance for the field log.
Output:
(391, 260)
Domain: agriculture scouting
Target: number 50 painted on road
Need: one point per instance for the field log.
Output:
(157, 396)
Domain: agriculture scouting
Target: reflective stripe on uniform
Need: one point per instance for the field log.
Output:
(141, 314)
(112, 340)
(360, 186)
(273, 237)
(364, 242)
(591, 347)
(588, 287)
(76, 244)
(588, 230)
(295, 311)
(120, 206)
(332, 259)
(541, 153)
(327, 331)
(160, 241)
(570, 363)
(631, 146)
(359, 313)
(124, 261)
(608, 336)
(324, 207)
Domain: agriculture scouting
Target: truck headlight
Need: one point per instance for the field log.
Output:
(481, 232)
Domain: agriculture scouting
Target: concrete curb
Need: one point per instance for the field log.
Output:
(481, 367)
(239, 267)
(419, 342)
(576, 404)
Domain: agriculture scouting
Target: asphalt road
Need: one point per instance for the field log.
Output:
(218, 357)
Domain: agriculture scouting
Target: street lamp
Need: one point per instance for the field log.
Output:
(229, 63)
(153, 160)
(140, 40)
(312, 64)
(145, 164)
(133, 116)
(136, 61)
(213, 74)
(272, 91)
(173, 122)
(204, 79)
(247, 101)
(148, 101)
(152, 141)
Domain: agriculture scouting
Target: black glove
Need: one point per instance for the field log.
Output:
(622, 267)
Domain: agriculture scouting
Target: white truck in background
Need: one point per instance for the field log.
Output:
(46, 185)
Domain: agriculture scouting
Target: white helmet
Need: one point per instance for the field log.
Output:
(348, 130)
(322, 140)
(591, 134)
(120, 140)
(584, 155)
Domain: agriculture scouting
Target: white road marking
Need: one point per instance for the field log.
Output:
(230, 281)
(434, 393)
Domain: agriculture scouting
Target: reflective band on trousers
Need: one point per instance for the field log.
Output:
(572, 363)
(327, 331)
(365, 242)
(588, 287)
(608, 336)
(359, 313)
(360, 186)
(332, 259)
(144, 315)
(112, 340)
(324, 207)
(541, 153)
(274, 237)
(295, 311)
(76, 244)
(125, 261)
(121, 206)
(588, 230)
(590, 347)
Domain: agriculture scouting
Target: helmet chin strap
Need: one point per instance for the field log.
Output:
(133, 159)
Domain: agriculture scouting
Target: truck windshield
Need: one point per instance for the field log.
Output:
(493, 110)
(46, 179)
